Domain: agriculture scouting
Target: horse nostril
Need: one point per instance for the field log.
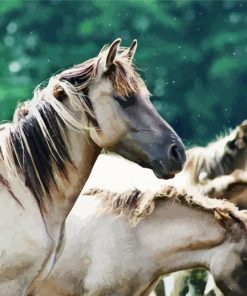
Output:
(174, 152)
(177, 156)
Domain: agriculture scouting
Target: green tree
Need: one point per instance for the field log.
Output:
(192, 53)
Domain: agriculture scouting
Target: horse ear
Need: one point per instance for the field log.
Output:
(241, 138)
(109, 57)
(130, 52)
(59, 93)
(112, 52)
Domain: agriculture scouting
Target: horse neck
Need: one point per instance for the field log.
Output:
(83, 153)
(179, 237)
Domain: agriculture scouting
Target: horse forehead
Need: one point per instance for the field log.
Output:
(100, 87)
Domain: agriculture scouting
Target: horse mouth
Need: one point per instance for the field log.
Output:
(160, 170)
(169, 176)
(165, 176)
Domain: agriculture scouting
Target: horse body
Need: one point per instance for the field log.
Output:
(48, 152)
(122, 175)
(105, 255)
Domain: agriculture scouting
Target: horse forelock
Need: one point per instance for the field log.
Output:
(125, 79)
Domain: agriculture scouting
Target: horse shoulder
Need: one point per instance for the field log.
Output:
(99, 270)
(82, 268)
(72, 264)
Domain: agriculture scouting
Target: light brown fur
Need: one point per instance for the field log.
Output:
(137, 205)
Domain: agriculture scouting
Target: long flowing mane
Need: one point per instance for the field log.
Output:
(137, 205)
(35, 144)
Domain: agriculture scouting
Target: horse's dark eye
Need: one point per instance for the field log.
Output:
(119, 99)
(125, 101)
(232, 144)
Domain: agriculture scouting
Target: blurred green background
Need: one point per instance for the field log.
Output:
(192, 54)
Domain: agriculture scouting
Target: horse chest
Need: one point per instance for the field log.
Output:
(24, 245)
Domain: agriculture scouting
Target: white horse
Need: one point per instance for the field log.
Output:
(119, 244)
(122, 174)
(48, 151)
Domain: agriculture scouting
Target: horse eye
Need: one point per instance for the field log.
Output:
(119, 99)
(232, 144)
(125, 101)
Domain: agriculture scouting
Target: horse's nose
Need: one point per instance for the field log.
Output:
(176, 155)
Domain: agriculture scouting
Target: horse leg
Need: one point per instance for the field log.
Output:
(150, 290)
(211, 289)
(160, 287)
(180, 283)
(197, 282)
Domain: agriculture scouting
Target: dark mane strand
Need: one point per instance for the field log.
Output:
(39, 162)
